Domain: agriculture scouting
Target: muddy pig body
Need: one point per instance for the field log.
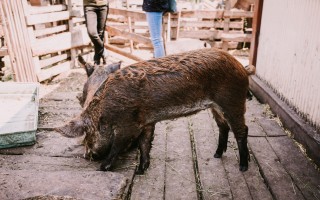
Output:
(133, 99)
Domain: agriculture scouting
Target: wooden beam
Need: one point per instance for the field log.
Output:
(124, 26)
(206, 24)
(135, 15)
(201, 14)
(60, 42)
(226, 24)
(237, 14)
(47, 17)
(256, 22)
(45, 74)
(131, 36)
(236, 37)
(53, 60)
(122, 52)
(33, 10)
(201, 34)
(51, 30)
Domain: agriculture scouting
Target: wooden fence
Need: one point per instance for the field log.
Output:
(43, 41)
(221, 28)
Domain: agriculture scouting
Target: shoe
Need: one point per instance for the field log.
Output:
(105, 56)
(96, 60)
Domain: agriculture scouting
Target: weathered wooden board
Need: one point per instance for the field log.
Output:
(47, 17)
(132, 36)
(19, 104)
(22, 184)
(213, 176)
(59, 42)
(179, 165)
(276, 176)
(33, 10)
(206, 24)
(53, 71)
(151, 184)
(236, 37)
(303, 173)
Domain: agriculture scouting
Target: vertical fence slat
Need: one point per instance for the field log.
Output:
(10, 40)
(33, 76)
(18, 42)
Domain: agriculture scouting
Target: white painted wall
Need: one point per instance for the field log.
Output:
(288, 56)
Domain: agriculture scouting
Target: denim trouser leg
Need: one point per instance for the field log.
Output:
(155, 27)
(96, 18)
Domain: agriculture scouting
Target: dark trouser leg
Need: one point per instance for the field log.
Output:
(95, 21)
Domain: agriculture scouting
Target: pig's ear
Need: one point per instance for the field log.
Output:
(100, 88)
(113, 67)
(74, 128)
(87, 66)
(110, 69)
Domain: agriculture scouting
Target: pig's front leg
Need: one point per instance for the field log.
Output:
(145, 140)
(122, 139)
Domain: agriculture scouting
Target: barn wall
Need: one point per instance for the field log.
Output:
(288, 57)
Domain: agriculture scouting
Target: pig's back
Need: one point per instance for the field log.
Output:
(176, 85)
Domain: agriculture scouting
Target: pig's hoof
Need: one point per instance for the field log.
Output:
(217, 155)
(143, 167)
(104, 167)
(243, 168)
(139, 172)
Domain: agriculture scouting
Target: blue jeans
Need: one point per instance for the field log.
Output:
(154, 20)
(96, 17)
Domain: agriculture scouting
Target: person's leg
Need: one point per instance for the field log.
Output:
(155, 27)
(91, 17)
(101, 26)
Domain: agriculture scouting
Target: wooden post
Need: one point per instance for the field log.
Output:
(226, 25)
(168, 35)
(18, 41)
(256, 22)
(175, 30)
(8, 39)
(73, 51)
(130, 31)
(26, 38)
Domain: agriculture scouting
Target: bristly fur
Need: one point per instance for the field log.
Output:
(127, 105)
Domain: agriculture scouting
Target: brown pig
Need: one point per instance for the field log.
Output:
(132, 100)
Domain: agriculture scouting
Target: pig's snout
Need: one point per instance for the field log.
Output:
(91, 155)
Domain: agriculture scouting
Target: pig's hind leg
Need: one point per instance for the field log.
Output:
(123, 138)
(223, 133)
(145, 140)
(236, 120)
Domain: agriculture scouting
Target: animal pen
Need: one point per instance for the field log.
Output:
(44, 37)
(43, 41)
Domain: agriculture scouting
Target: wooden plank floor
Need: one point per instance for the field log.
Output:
(278, 168)
(182, 164)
